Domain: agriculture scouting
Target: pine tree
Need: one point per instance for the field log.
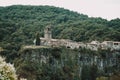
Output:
(37, 39)
(93, 72)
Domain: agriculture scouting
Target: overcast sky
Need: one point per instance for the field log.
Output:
(107, 9)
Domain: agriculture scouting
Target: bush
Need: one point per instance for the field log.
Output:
(7, 70)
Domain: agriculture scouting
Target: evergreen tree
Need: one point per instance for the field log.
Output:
(93, 72)
(37, 39)
(85, 74)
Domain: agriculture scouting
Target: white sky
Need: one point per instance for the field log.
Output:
(108, 9)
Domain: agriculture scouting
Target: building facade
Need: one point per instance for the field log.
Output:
(47, 40)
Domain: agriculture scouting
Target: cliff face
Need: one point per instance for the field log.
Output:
(45, 63)
(53, 63)
(36, 55)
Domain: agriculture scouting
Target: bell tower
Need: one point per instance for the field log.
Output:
(48, 32)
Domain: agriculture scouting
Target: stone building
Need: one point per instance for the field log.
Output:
(48, 32)
(47, 40)
(94, 45)
(113, 45)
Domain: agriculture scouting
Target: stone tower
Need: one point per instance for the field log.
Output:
(48, 32)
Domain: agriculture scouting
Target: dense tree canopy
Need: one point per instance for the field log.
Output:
(19, 24)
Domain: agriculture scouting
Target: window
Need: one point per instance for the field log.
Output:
(48, 29)
(115, 43)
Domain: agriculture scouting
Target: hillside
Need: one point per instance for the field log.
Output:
(20, 23)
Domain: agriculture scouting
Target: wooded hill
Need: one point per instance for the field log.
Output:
(18, 24)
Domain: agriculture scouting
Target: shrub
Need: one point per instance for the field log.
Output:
(7, 70)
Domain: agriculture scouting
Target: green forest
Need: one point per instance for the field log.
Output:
(18, 27)
(18, 24)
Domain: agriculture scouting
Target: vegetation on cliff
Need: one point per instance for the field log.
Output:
(18, 25)
(47, 63)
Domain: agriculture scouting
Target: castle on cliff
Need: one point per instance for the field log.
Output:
(47, 40)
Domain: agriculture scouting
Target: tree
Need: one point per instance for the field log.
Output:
(85, 74)
(37, 39)
(93, 72)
